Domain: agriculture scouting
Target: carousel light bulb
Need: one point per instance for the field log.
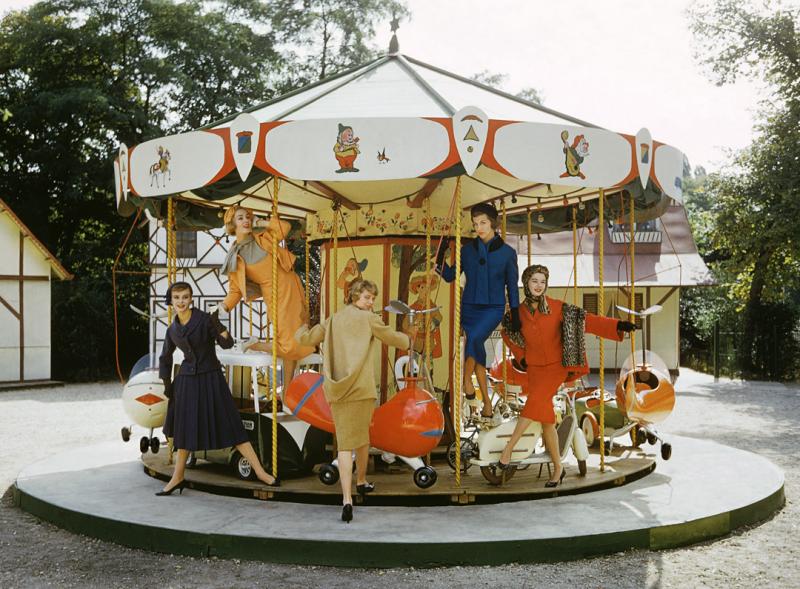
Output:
(514, 199)
(581, 206)
(540, 218)
(565, 201)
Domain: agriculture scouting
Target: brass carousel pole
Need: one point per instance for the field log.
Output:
(172, 271)
(428, 316)
(574, 256)
(601, 232)
(273, 307)
(457, 331)
(503, 232)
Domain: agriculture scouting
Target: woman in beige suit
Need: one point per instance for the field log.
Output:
(350, 341)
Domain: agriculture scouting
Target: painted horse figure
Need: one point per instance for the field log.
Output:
(161, 167)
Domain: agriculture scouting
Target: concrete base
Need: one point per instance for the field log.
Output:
(705, 491)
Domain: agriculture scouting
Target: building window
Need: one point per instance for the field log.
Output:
(590, 303)
(186, 244)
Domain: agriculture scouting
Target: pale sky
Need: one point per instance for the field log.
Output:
(620, 64)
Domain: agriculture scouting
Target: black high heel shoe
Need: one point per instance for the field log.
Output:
(551, 484)
(365, 488)
(179, 487)
(347, 513)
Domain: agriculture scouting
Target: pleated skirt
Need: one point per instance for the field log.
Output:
(478, 322)
(202, 414)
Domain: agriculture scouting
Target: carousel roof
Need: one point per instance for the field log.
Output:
(420, 129)
(397, 85)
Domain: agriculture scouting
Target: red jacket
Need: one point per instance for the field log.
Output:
(542, 334)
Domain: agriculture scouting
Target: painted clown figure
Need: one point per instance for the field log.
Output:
(346, 149)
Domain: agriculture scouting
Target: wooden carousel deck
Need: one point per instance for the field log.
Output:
(395, 485)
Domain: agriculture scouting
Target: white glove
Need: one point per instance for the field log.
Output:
(219, 310)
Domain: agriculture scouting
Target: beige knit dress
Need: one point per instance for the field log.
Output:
(350, 339)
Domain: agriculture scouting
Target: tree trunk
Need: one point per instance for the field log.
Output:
(747, 351)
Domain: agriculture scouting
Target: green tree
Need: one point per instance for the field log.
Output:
(83, 76)
(323, 37)
(752, 205)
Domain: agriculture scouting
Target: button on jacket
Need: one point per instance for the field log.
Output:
(491, 271)
(196, 341)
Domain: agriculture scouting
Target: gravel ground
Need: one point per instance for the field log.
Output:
(755, 416)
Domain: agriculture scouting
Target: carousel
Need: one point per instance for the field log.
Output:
(375, 169)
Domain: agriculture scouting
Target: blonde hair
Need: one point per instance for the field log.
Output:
(230, 221)
(358, 286)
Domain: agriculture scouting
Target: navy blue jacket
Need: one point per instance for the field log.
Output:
(491, 271)
(196, 341)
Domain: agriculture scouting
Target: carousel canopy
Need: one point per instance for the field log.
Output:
(388, 134)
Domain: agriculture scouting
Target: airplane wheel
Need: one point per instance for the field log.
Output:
(607, 447)
(424, 477)
(651, 439)
(588, 431)
(126, 434)
(144, 444)
(242, 467)
(329, 474)
(637, 436)
(582, 468)
(155, 444)
(666, 451)
(467, 452)
(495, 476)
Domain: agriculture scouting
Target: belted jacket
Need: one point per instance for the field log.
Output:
(196, 341)
(491, 271)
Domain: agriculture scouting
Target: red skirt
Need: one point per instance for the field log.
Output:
(542, 385)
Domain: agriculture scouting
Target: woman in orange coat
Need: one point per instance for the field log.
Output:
(539, 347)
(249, 269)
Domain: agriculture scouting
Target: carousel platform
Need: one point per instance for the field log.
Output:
(705, 491)
(395, 486)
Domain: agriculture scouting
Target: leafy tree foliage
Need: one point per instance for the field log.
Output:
(747, 214)
(83, 76)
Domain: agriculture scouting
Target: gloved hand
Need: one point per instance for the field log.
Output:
(441, 253)
(168, 390)
(516, 324)
(219, 325)
(219, 310)
(626, 326)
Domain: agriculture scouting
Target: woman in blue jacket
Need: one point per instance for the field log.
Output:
(490, 266)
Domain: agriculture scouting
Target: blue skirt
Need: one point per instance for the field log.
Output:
(478, 322)
(202, 415)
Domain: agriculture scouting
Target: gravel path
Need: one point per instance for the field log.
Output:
(756, 416)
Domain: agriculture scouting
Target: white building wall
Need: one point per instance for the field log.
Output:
(35, 309)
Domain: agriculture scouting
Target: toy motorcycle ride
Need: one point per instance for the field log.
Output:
(485, 441)
(644, 396)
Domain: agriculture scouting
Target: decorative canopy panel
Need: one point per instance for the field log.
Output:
(387, 135)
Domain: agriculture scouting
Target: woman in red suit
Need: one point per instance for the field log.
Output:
(540, 349)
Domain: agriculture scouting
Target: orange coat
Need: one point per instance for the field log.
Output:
(543, 352)
(289, 289)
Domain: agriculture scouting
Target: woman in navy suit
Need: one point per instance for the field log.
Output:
(490, 266)
(201, 414)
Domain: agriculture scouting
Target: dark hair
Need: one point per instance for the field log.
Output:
(485, 208)
(181, 285)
